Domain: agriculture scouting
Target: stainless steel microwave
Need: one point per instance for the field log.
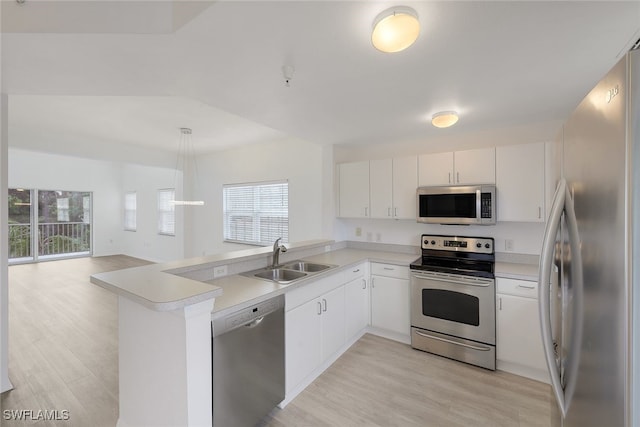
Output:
(459, 204)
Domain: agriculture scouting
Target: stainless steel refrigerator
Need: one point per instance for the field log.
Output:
(589, 318)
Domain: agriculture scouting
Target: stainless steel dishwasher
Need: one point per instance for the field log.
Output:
(248, 363)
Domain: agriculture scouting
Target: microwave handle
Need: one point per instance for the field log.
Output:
(479, 205)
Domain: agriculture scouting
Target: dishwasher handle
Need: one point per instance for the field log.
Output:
(254, 323)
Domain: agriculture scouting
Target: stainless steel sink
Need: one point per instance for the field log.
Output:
(280, 275)
(289, 272)
(310, 267)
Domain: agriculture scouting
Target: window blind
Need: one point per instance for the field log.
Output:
(166, 212)
(130, 211)
(256, 214)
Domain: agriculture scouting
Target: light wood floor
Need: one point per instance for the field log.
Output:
(63, 345)
(63, 341)
(379, 382)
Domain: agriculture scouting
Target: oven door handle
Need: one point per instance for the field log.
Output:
(472, 347)
(454, 279)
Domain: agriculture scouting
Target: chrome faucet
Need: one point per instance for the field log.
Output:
(277, 248)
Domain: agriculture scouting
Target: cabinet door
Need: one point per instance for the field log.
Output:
(333, 328)
(435, 169)
(520, 182)
(357, 303)
(405, 182)
(390, 304)
(303, 342)
(475, 166)
(380, 188)
(354, 189)
(518, 337)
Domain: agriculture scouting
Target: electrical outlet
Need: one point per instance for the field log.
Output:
(358, 231)
(219, 271)
(508, 245)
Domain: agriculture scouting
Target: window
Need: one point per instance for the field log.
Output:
(166, 212)
(256, 214)
(130, 211)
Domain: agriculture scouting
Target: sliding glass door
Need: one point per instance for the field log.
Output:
(48, 224)
(20, 225)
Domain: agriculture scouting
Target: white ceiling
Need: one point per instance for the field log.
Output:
(134, 72)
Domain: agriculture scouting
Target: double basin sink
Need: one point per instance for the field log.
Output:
(289, 272)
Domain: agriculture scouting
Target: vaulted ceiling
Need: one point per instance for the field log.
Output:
(133, 72)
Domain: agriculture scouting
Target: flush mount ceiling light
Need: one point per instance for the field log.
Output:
(395, 29)
(186, 163)
(444, 119)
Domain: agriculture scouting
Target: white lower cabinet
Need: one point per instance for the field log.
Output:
(314, 328)
(518, 340)
(357, 302)
(390, 298)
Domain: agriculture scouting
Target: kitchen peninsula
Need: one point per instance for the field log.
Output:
(165, 314)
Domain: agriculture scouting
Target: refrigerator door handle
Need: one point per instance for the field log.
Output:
(546, 262)
(562, 202)
(575, 340)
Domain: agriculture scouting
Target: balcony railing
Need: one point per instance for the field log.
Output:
(54, 239)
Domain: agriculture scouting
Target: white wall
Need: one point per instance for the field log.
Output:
(145, 242)
(28, 169)
(301, 163)
(5, 384)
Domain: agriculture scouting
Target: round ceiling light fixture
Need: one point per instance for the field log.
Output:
(395, 29)
(444, 119)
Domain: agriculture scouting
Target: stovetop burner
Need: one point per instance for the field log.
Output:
(469, 256)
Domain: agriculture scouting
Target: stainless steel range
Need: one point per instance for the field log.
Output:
(453, 299)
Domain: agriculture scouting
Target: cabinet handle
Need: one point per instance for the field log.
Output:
(388, 211)
(499, 303)
(372, 285)
(364, 284)
(539, 212)
(324, 303)
(458, 177)
(388, 268)
(449, 177)
(395, 212)
(366, 211)
(319, 308)
(357, 270)
(527, 286)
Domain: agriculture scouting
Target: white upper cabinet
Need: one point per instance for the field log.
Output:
(520, 182)
(475, 166)
(381, 188)
(405, 183)
(435, 169)
(354, 190)
(458, 168)
(390, 187)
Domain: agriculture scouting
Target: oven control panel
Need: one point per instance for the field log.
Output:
(482, 245)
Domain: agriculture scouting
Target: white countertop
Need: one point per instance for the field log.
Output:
(241, 291)
(159, 288)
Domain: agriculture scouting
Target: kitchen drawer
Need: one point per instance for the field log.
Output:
(355, 272)
(308, 291)
(521, 288)
(389, 270)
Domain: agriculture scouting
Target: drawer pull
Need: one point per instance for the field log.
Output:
(389, 268)
(527, 286)
(356, 270)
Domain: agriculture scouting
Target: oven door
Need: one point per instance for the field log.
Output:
(462, 306)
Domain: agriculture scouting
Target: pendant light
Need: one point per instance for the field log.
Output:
(186, 162)
(395, 29)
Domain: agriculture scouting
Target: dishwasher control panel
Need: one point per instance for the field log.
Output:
(246, 316)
